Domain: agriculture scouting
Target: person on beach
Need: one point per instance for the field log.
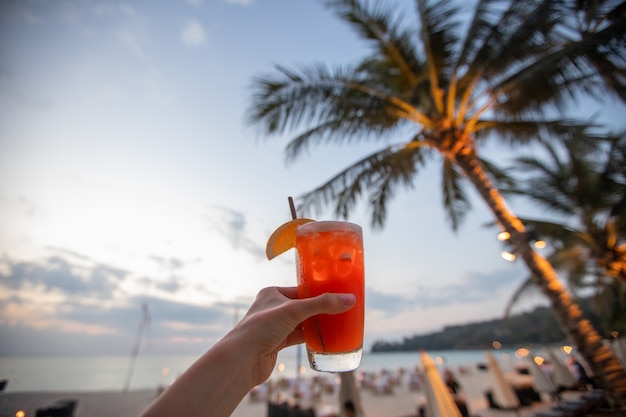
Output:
(451, 382)
(455, 389)
(244, 358)
(582, 378)
(349, 409)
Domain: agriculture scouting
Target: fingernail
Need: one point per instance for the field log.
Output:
(348, 299)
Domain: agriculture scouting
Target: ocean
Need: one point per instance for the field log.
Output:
(110, 373)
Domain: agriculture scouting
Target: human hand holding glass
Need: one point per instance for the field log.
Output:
(329, 260)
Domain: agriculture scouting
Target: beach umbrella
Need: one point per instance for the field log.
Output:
(561, 375)
(439, 401)
(348, 390)
(541, 381)
(503, 392)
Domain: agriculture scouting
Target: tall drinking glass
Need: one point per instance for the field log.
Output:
(330, 259)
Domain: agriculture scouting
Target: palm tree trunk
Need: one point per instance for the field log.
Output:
(610, 375)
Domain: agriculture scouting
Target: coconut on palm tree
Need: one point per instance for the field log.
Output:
(443, 93)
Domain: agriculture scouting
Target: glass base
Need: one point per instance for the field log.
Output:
(335, 362)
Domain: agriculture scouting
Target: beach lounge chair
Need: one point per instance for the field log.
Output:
(61, 408)
(287, 410)
(583, 406)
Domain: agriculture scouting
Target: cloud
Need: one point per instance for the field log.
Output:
(12, 12)
(132, 41)
(128, 10)
(186, 326)
(70, 297)
(130, 26)
(42, 315)
(388, 303)
(171, 264)
(13, 90)
(193, 34)
(197, 3)
(232, 224)
(194, 315)
(476, 287)
(57, 274)
(240, 2)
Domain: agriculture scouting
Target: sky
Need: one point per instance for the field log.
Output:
(128, 176)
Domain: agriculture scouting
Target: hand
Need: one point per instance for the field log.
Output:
(273, 323)
(246, 356)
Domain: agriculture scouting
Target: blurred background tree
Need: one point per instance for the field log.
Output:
(582, 182)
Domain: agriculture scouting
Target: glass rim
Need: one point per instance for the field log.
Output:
(328, 225)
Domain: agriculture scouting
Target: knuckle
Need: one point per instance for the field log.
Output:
(328, 301)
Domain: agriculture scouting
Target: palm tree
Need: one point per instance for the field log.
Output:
(585, 185)
(447, 92)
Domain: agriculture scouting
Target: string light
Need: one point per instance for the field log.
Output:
(508, 256)
(502, 236)
(531, 237)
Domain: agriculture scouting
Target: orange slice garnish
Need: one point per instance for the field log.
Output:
(284, 238)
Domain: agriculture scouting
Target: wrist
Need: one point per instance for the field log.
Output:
(214, 385)
(237, 361)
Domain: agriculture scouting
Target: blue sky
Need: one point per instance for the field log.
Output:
(128, 176)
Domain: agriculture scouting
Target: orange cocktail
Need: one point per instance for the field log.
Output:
(330, 259)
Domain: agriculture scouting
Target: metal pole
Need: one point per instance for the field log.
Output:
(145, 321)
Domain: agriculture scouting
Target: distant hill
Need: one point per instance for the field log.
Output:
(535, 327)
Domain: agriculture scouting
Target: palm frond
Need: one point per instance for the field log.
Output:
(554, 78)
(526, 288)
(499, 176)
(377, 174)
(560, 235)
(575, 179)
(607, 19)
(339, 131)
(383, 28)
(455, 201)
(574, 261)
(547, 186)
(438, 35)
(611, 300)
(614, 176)
(523, 131)
(612, 75)
(508, 33)
(479, 29)
(310, 96)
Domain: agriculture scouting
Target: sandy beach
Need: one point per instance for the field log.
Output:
(400, 399)
(403, 399)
